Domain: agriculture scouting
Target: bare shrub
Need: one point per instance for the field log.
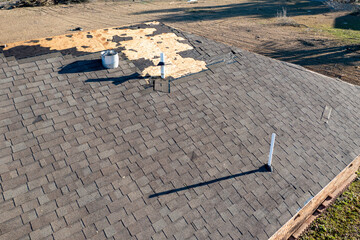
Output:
(282, 13)
(284, 20)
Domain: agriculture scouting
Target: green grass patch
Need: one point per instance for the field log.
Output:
(341, 220)
(345, 35)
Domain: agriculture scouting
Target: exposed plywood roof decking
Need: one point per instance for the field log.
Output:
(92, 153)
(136, 44)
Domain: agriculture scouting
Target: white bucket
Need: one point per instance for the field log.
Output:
(110, 59)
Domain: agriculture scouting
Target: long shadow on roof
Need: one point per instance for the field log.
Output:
(82, 66)
(261, 169)
(117, 80)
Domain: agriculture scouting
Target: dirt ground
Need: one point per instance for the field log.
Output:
(253, 25)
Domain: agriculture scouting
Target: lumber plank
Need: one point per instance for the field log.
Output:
(296, 221)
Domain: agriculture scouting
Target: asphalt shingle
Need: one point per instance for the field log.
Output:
(116, 160)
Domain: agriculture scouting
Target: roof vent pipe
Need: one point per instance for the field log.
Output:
(162, 64)
(268, 166)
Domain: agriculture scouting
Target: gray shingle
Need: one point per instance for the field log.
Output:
(123, 161)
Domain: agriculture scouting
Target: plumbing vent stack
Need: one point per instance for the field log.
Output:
(160, 83)
(268, 166)
(162, 64)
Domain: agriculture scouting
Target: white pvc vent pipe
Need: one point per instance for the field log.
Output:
(271, 150)
(162, 64)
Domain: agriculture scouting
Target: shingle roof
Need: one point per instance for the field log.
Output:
(110, 158)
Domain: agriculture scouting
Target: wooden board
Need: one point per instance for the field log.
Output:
(296, 222)
(322, 208)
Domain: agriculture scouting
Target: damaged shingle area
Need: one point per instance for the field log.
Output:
(111, 159)
(160, 28)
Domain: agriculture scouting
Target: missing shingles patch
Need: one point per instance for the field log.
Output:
(142, 44)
